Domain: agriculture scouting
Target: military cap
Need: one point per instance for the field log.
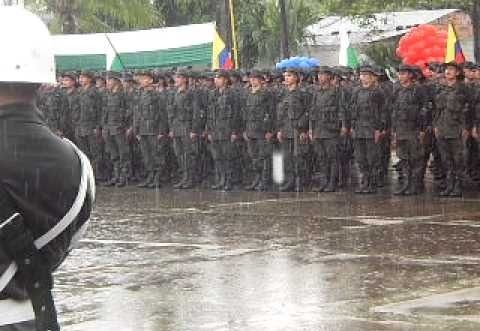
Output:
(114, 75)
(453, 64)
(367, 69)
(183, 72)
(277, 74)
(210, 75)
(405, 67)
(222, 73)
(100, 74)
(293, 70)
(145, 72)
(70, 74)
(194, 74)
(325, 70)
(87, 73)
(127, 76)
(378, 71)
(256, 74)
(417, 70)
(470, 65)
(236, 73)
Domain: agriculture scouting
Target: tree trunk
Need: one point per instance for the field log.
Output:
(284, 21)
(171, 18)
(223, 22)
(475, 15)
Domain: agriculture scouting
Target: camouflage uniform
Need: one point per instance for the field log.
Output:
(292, 121)
(221, 124)
(450, 119)
(408, 122)
(114, 125)
(180, 117)
(367, 117)
(258, 119)
(325, 129)
(87, 120)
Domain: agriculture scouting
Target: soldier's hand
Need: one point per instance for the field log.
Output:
(160, 136)
(209, 137)
(343, 132)
(378, 136)
(245, 136)
(233, 137)
(421, 137)
(269, 136)
(475, 133)
(303, 137)
(280, 136)
(193, 135)
(129, 132)
(436, 132)
(170, 134)
(310, 134)
(465, 134)
(138, 138)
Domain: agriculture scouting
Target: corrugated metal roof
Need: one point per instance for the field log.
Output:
(379, 26)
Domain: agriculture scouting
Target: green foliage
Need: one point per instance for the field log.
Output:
(383, 54)
(83, 16)
(259, 28)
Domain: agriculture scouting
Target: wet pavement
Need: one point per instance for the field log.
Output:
(169, 260)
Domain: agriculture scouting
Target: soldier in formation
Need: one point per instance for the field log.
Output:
(335, 127)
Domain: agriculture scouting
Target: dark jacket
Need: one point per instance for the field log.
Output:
(33, 159)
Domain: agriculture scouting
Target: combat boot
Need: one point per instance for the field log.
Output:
(457, 191)
(403, 187)
(188, 184)
(288, 185)
(372, 184)
(155, 183)
(322, 183)
(333, 178)
(220, 183)
(228, 183)
(362, 184)
(449, 188)
(114, 178)
(332, 186)
(255, 183)
(147, 180)
(299, 184)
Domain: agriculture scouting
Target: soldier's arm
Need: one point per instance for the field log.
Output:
(189, 109)
(163, 115)
(269, 113)
(98, 110)
(470, 104)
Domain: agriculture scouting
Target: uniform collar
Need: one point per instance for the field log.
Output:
(25, 112)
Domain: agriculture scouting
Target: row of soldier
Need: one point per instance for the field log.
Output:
(223, 127)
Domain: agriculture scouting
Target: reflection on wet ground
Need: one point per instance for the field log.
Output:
(167, 260)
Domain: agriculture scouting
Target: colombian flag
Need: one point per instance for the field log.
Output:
(221, 56)
(454, 49)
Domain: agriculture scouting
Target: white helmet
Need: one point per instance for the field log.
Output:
(27, 54)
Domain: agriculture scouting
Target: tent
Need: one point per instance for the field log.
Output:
(166, 47)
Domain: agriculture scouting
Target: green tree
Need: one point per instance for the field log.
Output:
(259, 28)
(83, 16)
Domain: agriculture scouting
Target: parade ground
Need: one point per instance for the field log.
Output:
(198, 260)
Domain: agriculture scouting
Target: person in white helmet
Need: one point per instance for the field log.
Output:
(47, 189)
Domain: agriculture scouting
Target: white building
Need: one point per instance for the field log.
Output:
(12, 3)
(324, 43)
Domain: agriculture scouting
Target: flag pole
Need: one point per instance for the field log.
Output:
(234, 33)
